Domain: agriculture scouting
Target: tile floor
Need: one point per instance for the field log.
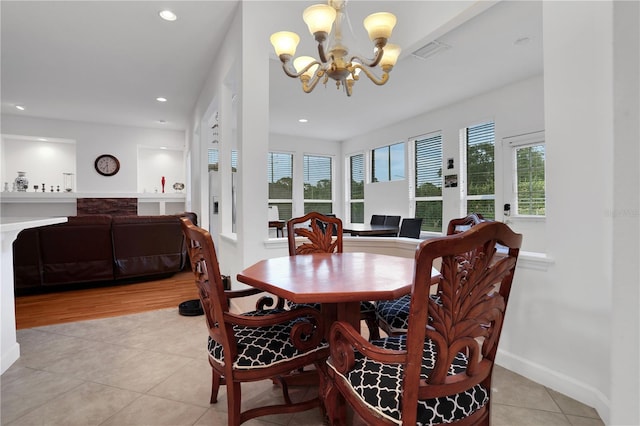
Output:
(151, 369)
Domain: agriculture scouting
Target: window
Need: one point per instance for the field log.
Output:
(387, 163)
(480, 149)
(530, 188)
(318, 191)
(428, 181)
(234, 160)
(356, 188)
(213, 155)
(280, 170)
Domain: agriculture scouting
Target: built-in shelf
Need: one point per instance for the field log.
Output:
(64, 203)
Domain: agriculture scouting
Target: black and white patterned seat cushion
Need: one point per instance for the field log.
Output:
(395, 313)
(261, 347)
(380, 386)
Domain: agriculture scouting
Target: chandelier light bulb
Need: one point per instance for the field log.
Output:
(301, 62)
(391, 54)
(319, 18)
(380, 25)
(285, 42)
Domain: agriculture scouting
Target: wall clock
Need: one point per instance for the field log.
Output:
(107, 165)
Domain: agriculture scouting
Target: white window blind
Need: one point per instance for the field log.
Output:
(356, 188)
(428, 181)
(318, 192)
(280, 178)
(480, 153)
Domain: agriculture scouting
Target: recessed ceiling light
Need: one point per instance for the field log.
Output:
(20, 107)
(42, 139)
(303, 120)
(161, 99)
(168, 15)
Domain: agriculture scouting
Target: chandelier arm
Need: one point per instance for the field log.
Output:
(308, 87)
(286, 66)
(321, 52)
(379, 81)
(370, 62)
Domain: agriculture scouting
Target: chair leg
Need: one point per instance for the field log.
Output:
(374, 330)
(234, 400)
(216, 380)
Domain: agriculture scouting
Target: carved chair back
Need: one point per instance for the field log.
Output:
(450, 346)
(464, 223)
(322, 234)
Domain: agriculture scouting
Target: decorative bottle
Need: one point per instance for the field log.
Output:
(22, 183)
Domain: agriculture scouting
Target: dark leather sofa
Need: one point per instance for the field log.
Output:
(98, 248)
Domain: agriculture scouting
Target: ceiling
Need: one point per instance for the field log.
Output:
(108, 61)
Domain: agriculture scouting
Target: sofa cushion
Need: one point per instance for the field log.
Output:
(79, 250)
(147, 245)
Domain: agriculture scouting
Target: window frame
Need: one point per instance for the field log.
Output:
(512, 144)
(279, 201)
(372, 159)
(349, 201)
(414, 198)
(464, 170)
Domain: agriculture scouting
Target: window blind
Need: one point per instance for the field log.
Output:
(357, 176)
(429, 166)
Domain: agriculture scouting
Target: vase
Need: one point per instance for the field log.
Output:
(22, 183)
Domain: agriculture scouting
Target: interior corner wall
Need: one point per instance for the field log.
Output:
(625, 324)
(570, 319)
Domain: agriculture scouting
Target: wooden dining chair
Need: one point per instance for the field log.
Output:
(440, 370)
(462, 224)
(313, 238)
(257, 345)
(393, 315)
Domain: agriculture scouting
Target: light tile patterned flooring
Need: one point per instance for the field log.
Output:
(151, 369)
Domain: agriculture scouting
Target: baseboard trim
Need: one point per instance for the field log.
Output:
(557, 381)
(9, 356)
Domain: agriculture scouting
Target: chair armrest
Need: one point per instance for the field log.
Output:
(344, 339)
(268, 302)
(307, 333)
(232, 294)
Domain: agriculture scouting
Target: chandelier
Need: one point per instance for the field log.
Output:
(335, 61)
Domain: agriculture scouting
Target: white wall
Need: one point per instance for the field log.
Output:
(625, 274)
(94, 139)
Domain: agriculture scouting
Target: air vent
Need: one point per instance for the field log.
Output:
(430, 49)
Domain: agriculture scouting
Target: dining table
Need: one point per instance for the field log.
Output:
(365, 229)
(338, 281)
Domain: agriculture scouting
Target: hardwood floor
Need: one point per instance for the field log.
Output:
(103, 302)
